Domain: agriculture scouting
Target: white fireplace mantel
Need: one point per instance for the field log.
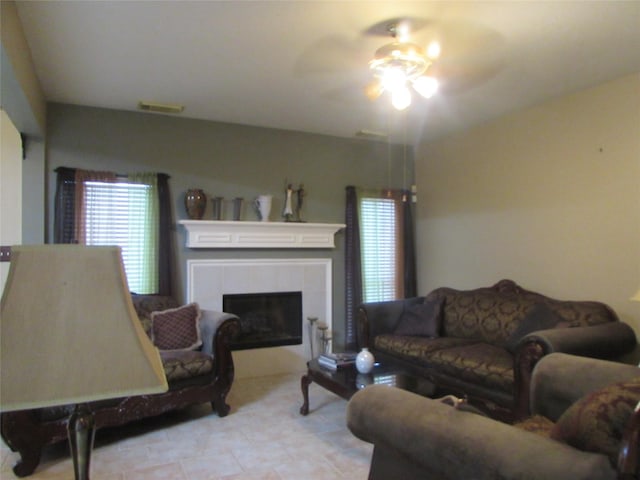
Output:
(240, 234)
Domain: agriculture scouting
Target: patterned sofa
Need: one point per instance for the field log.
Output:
(194, 376)
(484, 343)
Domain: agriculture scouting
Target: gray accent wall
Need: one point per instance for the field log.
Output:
(230, 161)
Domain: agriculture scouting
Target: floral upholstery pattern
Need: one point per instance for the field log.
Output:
(596, 422)
(179, 365)
(538, 424)
(478, 363)
(416, 348)
(493, 314)
(145, 305)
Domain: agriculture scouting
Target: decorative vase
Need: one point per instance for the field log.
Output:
(263, 205)
(364, 361)
(218, 205)
(195, 201)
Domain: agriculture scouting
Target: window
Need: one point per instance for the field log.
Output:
(122, 214)
(379, 248)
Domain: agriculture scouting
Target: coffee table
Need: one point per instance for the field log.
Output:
(346, 381)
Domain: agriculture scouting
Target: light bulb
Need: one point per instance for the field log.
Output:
(393, 79)
(426, 86)
(401, 98)
(433, 50)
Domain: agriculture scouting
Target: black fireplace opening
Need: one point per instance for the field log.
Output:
(267, 319)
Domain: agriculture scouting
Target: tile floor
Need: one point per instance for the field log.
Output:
(263, 438)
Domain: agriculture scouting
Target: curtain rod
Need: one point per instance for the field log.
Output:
(118, 175)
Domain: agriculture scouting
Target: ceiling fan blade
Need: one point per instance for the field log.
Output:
(332, 54)
(382, 29)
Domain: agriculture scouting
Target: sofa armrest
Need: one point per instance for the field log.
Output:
(376, 318)
(446, 443)
(220, 329)
(606, 340)
(210, 322)
(560, 379)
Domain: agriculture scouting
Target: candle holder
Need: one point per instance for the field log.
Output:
(325, 338)
(312, 338)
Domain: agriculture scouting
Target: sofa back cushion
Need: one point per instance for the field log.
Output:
(145, 305)
(493, 314)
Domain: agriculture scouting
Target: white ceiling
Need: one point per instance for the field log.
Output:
(302, 65)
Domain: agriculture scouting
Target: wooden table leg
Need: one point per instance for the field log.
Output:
(305, 381)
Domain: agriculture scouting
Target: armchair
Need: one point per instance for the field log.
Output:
(416, 437)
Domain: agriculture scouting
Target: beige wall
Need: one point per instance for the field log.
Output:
(10, 188)
(549, 197)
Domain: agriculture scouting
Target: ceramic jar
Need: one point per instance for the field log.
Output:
(195, 202)
(263, 205)
(364, 361)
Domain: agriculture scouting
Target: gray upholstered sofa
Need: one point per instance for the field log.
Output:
(416, 437)
(201, 375)
(484, 343)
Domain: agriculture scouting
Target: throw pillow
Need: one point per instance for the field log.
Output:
(540, 317)
(597, 421)
(422, 320)
(176, 328)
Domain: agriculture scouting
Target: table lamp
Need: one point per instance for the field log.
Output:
(69, 335)
(636, 297)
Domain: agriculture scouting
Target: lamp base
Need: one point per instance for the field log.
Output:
(81, 430)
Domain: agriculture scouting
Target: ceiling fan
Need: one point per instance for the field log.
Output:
(401, 66)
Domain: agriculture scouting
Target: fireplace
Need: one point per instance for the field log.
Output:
(209, 280)
(268, 319)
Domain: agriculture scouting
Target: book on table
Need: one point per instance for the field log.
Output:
(337, 360)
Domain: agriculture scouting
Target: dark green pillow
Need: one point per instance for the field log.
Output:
(421, 320)
(540, 317)
(597, 421)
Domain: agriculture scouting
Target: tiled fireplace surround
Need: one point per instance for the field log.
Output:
(209, 279)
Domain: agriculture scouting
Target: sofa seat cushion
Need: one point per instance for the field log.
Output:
(183, 364)
(480, 363)
(416, 349)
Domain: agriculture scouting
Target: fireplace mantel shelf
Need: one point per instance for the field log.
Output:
(230, 234)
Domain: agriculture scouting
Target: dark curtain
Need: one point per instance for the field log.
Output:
(353, 267)
(353, 270)
(64, 208)
(165, 257)
(408, 238)
(64, 222)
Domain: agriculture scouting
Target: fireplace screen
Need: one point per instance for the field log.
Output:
(266, 319)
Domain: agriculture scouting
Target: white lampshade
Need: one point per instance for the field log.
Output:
(636, 297)
(69, 332)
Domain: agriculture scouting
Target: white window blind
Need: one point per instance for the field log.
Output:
(116, 214)
(378, 247)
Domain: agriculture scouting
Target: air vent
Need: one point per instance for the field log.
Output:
(372, 135)
(160, 107)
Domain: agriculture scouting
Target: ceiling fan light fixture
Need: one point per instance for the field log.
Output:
(401, 98)
(426, 86)
(399, 64)
(433, 50)
(403, 55)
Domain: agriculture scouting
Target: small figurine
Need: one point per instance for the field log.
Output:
(288, 208)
